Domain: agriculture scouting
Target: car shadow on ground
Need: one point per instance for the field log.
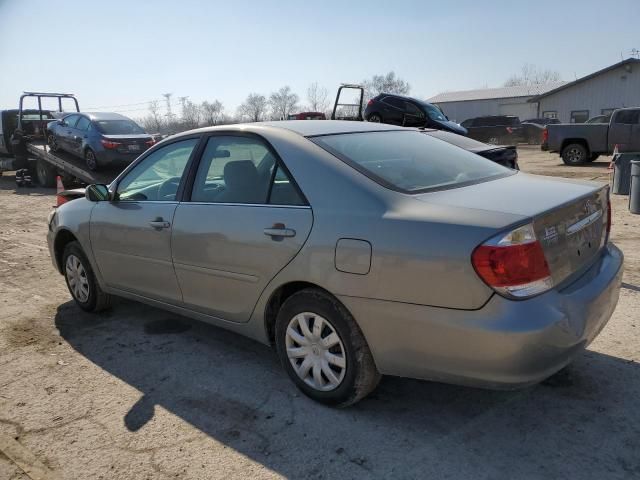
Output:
(582, 423)
(8, 183)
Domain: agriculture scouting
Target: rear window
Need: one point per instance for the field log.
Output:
(118, 127)
(410, 161)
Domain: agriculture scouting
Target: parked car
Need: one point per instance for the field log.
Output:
(408, 112)
(495, 129)
(101, 139)
(599, 119)
(307, 116)
(507, 156)
(357, 249)
(584, 142)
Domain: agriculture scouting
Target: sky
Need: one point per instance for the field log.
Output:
(119, 55)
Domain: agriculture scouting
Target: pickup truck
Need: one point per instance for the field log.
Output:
(580, 143)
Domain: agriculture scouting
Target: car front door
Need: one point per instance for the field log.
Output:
(131, 235)
(414, 117)
(244, 221)
(65, 132)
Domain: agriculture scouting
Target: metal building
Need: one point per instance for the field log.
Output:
(459, 106)
(599, 93)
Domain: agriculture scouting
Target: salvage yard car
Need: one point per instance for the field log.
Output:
(579, 143)
(357, 249)
(101, 139)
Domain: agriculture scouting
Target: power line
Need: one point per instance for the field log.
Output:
(123, 105)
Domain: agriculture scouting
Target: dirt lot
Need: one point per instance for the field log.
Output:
(137, 393)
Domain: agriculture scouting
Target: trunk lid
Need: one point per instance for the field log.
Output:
(569, 216)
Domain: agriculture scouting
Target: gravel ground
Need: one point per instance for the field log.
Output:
(137, 393)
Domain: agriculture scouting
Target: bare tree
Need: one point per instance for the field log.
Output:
(532, 75)
(254, 108)
(388, 83)
(153, 121)
(283, 102)
(212, 112)
(191, 114)
(318, 98)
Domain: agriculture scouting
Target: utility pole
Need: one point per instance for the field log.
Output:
(635, 53)
(183, 102)
(167, 97)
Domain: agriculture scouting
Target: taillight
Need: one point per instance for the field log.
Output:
(370, 102)
(151, 142)
(545, 135)
(514, 264)
(109, 144)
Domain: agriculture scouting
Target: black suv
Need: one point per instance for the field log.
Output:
(498, 129)
(409, 112)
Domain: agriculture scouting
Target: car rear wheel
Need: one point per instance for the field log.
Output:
(375, 118)
(323, 350)
(81, 280)
(91, 160)
(575, 154)
(46, 174)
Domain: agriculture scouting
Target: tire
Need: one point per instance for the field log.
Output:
(575, 154)
(53, 143)
(76, 268)
(90, 160)
(352, 369)
(594, 157)
(46, 174)
(374, 118)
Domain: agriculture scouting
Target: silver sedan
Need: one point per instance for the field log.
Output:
(356, 249)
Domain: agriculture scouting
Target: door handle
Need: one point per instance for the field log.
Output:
(279, 230)
(159, 224)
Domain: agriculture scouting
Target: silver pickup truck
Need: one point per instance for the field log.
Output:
(579, 143)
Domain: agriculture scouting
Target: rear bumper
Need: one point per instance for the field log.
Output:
(113, 157)
(505, 344)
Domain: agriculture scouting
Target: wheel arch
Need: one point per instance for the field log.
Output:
(63, 238)
(278, 297)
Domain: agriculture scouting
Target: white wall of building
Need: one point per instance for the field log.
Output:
(614, 89)
(461, 111)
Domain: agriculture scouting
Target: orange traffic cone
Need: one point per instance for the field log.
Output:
(60, 199)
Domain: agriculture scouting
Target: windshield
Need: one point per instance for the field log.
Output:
(410, 161)
(434, 113)
(118, 127)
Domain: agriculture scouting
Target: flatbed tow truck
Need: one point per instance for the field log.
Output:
(28, 144)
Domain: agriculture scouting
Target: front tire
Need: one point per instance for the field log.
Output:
(91, 160)
(81, 280)
(575, 154)
(53, 143)
(323, 350)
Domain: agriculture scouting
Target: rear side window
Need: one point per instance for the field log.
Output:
(628, 117)
(409, 161)
(83, 123)
(394, 102)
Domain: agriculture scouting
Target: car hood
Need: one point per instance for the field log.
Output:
(519, 194)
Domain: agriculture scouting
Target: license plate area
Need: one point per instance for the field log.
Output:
(133, 148)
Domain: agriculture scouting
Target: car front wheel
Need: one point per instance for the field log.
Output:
(323, 350)
(81, 280)
(91, 160)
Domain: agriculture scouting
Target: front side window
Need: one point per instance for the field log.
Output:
(579, 116)
(157, 177)
(242, 170)
(434, 112)
(409, 161)
(71, 120)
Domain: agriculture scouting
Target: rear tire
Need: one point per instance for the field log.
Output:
(338, 375)
(374, 118)
(46, 174)
(91, 160)
(81, 280)
(575, 154)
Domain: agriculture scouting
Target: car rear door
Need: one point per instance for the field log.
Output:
(244, 221)
(79, 135)
(131, 235)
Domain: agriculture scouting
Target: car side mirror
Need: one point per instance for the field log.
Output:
(96, 193)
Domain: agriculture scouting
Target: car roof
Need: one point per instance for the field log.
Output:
(101, 115)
